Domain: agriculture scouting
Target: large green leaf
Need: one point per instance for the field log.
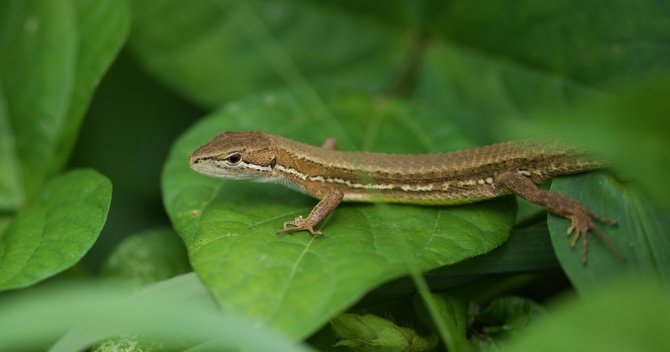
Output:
(641, 232)
(55, 230)
(52, 55)
(214, 50)
(295, 283)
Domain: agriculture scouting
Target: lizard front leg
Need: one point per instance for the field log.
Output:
(326, 205)
(582, 220)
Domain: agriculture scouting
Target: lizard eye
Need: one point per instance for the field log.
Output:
(233, 159)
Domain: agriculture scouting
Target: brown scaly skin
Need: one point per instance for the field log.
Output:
(458, 177)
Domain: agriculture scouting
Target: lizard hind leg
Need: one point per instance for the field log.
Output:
(581, 219)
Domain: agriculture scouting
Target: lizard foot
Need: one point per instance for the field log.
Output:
(299, 224)
(581, 224)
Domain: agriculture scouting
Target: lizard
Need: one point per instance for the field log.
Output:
(447, 178)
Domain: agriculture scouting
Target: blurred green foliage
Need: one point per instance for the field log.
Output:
(110, 85)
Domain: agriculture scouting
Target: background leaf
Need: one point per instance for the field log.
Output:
(11, 189)
(174, 310)
(131, 157)
(295, 283)
(539, 56)
(148, 257)
(595, 44)
(52, 55)
(478, 92)
(212, 51)
(363, 333)
(452, 311)
(509, 315)
(502, 319)
(55, 230)
(625, 316)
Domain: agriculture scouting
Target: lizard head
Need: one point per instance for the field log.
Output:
(235, 155)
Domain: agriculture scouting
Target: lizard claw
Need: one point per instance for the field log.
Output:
(604, 220)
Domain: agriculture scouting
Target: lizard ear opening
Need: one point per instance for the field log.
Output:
(273, 162)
